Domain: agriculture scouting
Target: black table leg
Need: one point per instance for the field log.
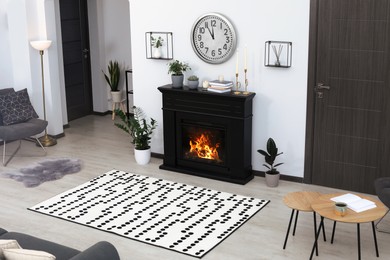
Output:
(358, 235)
(295, 224)
(316, 238)
(288, 229)
(376, 243)
(323, 232)
(334, 229)
(315, 229)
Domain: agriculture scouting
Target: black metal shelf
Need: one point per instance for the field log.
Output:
(127, 90)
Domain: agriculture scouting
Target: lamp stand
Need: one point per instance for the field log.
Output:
(45, 140)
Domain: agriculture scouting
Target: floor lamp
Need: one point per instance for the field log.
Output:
(45, 140)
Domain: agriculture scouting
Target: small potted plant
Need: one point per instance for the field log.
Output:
(112, 79)
(156, 44)
(176, 68)
(140, 131)
(272, 175)
(193, 82)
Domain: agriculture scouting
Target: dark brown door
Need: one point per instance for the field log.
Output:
(75, 44)
(351, 115)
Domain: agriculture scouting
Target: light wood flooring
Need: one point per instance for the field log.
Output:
(103, 147)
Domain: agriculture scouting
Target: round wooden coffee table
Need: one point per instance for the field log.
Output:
(300, 201)
(324, 206)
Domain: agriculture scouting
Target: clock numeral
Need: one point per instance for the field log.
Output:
(213, 53)
(201, 44)
(206, 24)
(207, 50)
(199, 37)
(213, 23)
(227, 39)
(202, 30)
(220, 26)
(226, 31)
(219, 51)
(225, 46)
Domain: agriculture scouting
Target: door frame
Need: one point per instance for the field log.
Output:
(310, 102)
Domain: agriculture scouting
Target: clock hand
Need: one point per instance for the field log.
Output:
(211, 33)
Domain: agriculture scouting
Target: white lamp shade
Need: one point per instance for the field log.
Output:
(40, 45)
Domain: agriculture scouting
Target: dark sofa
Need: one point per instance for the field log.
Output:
(100, 251)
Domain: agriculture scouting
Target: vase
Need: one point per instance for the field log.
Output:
(116, 96)
(142, 157)
(272, 180)
(193, 84)
(177, 81)
(156, 53)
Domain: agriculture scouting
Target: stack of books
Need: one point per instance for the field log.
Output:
(220, 86)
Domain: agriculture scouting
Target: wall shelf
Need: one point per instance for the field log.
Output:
(278, 54)
(164, 52)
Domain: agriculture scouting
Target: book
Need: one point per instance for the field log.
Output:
(354, 202)
(219, 89)
(221, 83)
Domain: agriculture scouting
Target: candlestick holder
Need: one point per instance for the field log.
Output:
(246, 83)
(238, 85)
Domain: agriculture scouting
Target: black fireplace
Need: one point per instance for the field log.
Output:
(208, 134)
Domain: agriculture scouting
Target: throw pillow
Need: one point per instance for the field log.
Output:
(27, 254)
(3, 92)
(16, 107)
(7, 244)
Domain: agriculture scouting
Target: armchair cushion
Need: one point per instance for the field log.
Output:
(15, 107)
(26, 129)
(3, 92)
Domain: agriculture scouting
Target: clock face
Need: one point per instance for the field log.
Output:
(213, 38)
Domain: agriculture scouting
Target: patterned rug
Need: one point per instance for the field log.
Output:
(187, 219)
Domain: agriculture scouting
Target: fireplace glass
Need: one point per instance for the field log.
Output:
(203, 144)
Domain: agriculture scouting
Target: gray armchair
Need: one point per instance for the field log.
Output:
(382, 188)
(23, 126)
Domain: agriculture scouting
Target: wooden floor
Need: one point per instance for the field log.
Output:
(103, 147)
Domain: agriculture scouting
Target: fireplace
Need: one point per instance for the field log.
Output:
(207, 134)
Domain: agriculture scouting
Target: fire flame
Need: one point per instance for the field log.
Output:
(202, 148)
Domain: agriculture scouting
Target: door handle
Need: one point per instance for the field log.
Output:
(318, 89)
(85, 53)
(321, 86)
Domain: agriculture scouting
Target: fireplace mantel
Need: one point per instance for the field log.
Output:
(227, 110)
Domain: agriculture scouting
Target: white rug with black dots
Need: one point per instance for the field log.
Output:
(187, 219)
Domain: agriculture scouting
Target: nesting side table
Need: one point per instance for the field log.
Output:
(301, 201)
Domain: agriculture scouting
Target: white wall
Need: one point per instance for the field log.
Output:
(280, 101)
(5, 70)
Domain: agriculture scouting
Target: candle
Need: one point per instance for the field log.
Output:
(245, 59)
(237, 63)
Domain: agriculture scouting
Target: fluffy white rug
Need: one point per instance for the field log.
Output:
(187, 219)
(47, 170)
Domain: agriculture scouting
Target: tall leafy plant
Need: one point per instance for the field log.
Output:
(113, 76)
(177, 67)
(270, 156)
(137, 126)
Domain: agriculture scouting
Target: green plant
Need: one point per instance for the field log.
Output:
(137, 127)
(113, 76)
(193, 78)
(156, 43)
(177, 67)
(270, 156)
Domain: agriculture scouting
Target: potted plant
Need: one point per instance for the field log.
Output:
(156, 44)
(193, 82)
(272, 175)
(140, 131)
(112, 79)
(176, 68)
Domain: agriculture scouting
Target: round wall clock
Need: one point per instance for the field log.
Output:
(213, 38)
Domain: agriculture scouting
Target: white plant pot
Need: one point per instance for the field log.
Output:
(157, 53)
(116, 96)
(142, 157)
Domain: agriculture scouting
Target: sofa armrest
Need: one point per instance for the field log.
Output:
(102, 250)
